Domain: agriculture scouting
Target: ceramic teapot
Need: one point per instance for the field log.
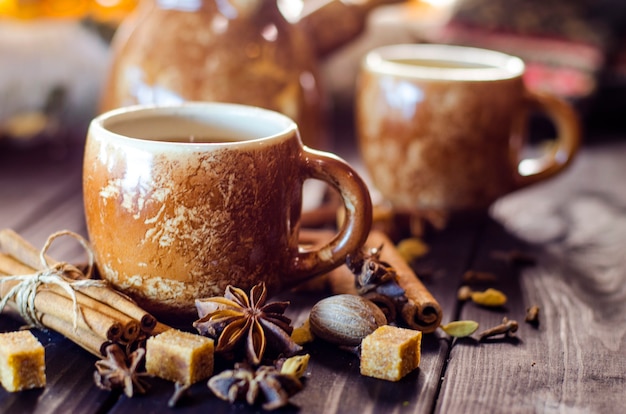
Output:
(254, 52)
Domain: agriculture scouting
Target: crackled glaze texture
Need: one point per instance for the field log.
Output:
(451, 149)
(446, 132)
(241, 51)
(225, 51)
(171, 222)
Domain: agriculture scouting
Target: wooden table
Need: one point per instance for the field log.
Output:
(573, 361)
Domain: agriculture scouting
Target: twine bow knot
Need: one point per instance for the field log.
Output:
(65, 275)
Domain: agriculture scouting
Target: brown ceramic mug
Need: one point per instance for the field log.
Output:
(181, 201)
(443, 127)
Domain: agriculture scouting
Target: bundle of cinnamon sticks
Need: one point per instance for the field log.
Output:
(88, 312)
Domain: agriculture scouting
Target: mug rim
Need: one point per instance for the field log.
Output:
(492, 65)
(208, 111)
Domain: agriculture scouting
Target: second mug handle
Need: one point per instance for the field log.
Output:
(567, 142)
(358, 218)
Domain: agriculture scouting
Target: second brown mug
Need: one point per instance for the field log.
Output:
(443, 127)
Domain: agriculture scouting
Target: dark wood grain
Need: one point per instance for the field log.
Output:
(40, 193)
(333, 382)
(573, 361)
(576, 228)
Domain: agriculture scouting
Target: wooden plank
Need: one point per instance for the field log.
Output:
(32, 182)
(69, 372)
(66, 214)
(576, 359)
(333, 384)
(39, 195)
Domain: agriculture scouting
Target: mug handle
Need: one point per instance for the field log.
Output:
(358, 218)
(561, 154)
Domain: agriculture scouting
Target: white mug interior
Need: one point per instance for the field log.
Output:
(195, 123)
(443, 62)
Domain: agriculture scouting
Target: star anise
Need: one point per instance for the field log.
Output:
(266, 384)
(117, 371)
(236, 318)
(180, 390)
(376, 280)
(370, 270)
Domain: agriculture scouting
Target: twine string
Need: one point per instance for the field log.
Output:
(25, 291)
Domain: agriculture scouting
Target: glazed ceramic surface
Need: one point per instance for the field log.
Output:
(443, 127)
(182, 201)
(241, 51)
(227, 51)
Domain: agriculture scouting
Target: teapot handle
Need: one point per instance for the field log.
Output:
(347, 20)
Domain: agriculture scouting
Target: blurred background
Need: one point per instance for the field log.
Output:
(56, 55)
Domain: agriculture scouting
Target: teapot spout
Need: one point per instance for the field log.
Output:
(331, 24)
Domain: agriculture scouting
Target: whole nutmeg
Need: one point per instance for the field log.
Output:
(345, 319)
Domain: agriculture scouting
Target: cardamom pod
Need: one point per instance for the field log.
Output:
(412, 248)
(296, 365)
(460, 329)
(490, 297)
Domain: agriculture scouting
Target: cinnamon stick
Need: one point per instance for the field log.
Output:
(126, 327)
(312, 238)
(10, 266)
(49, 303)
(341, 279)
(324, 215)
(422, 311)
(86, 339)
(160, 328)
(123, 304)
(130, 327)
(104, 315)
(16, 246)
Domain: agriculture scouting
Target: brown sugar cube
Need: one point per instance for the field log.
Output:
(22, 361)
(179, 356)
(390, 352)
